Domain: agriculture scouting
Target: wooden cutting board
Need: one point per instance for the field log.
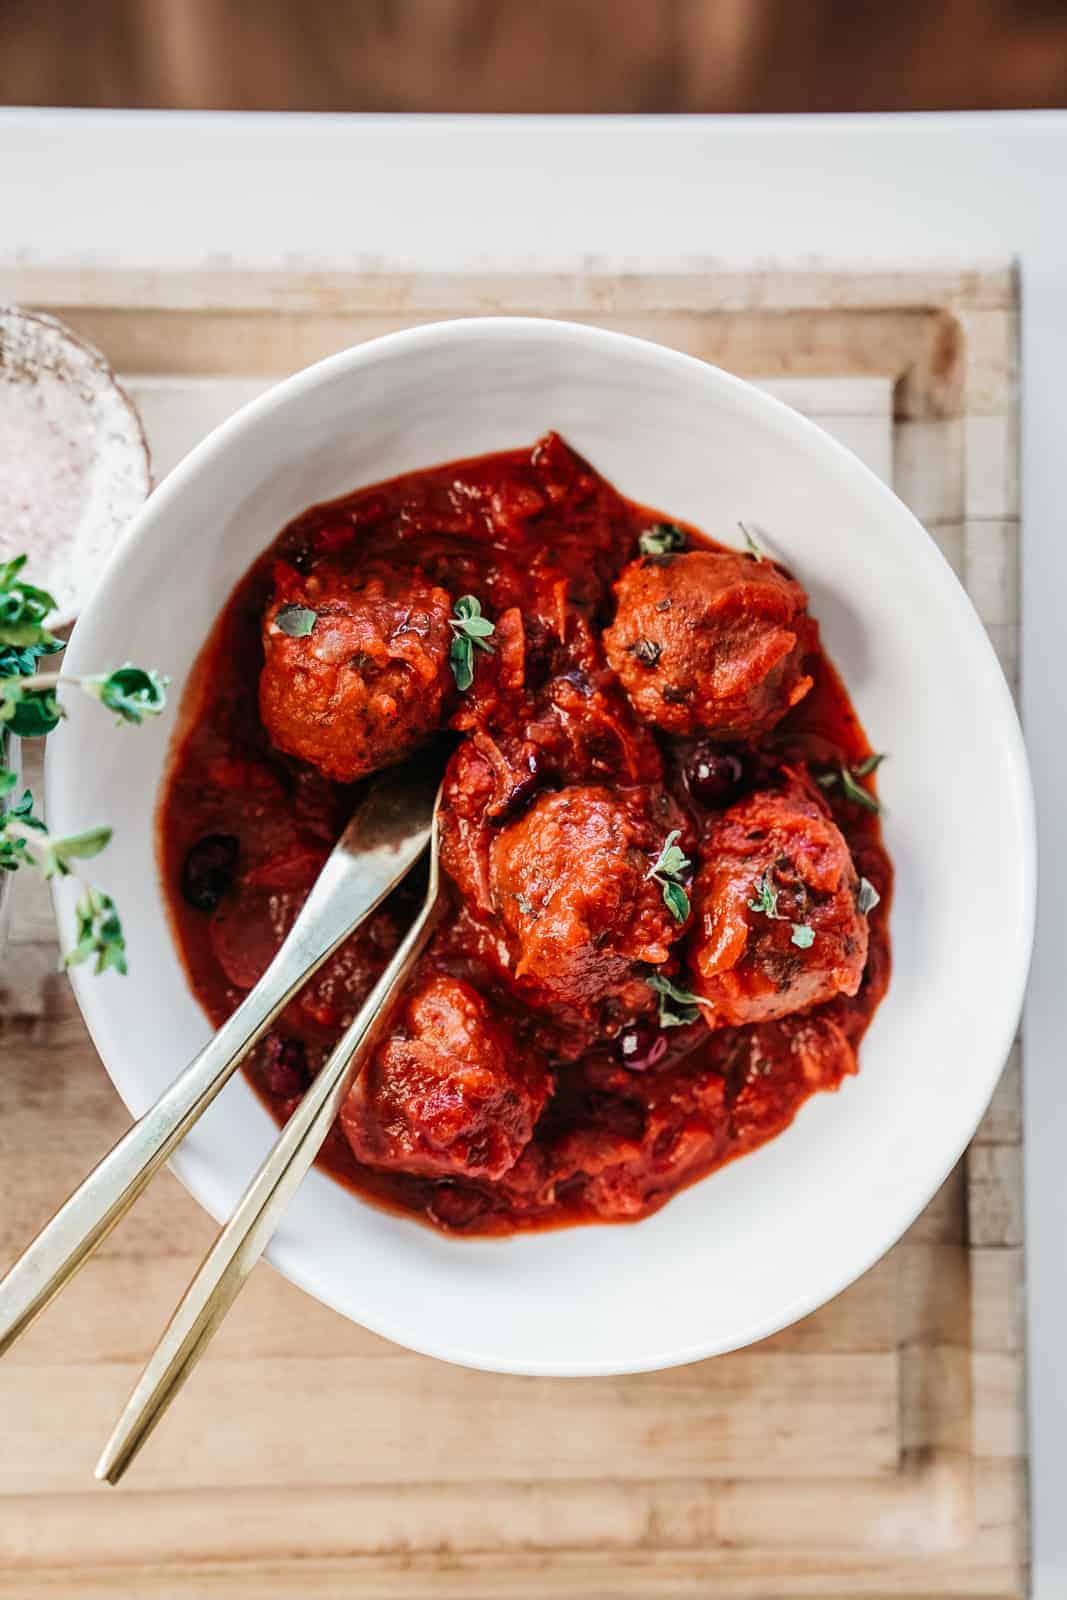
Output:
(874, 1450)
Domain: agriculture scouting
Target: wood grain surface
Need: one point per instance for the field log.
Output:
(874, 1450)
(557, 55)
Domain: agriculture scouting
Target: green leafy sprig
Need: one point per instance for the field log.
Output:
(295, 621)
(765, 901)
(30, 705)
(677, 1007)
(667, 870)
(470, 631)
(30, 708)
(662, 539)
(751, 546)
(848, 778)
(99, 935)
(867, 897)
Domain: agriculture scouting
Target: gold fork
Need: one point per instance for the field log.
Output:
(239, 1245)
(385, 837)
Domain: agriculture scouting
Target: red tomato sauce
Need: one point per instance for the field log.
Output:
(572, 1098)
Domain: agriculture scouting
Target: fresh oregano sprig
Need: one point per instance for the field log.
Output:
(752, 548)
(667, 870)
(662, 539)
(867, 897)
(99, 935)
(677, 1007)
(23, 608)
(30, 707)
(296, 621)
(470, 630)
(765, 901)
(848, 778)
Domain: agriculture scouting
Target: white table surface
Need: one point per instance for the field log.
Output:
(171, 189)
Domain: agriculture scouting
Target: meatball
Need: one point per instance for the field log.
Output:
(621, 1153)
(777, 925)
(449, 1094)
(356, 670)
(710, 642)
(571, 880)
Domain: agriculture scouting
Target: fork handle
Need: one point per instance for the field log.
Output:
(88, 1216)
(239, 1245)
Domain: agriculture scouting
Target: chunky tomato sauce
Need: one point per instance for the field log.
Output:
(669, 891)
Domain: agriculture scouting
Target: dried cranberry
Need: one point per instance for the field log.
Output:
(523, 785)
(454, 1206)
(641, 1045)
(714, 776)
(209, 869)
(285, 1067)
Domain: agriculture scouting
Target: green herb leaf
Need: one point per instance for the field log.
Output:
(677, 1007)
(803, 936)
(29, 714)
(22, 811)
(857, 793)
(14, 846)
(131, 692)
(676, 900)
(468, 621)
(667, 870)
(8, 780)
(662, 539)
(470, 629)
(671, 861)
(461, 659)
(59, 853)
(99, 935)
(753, 548)
(468, 618)
(23, 608)
(15, 663)
(766, 897)
(867, 897)
(295, 621)
(847, 777)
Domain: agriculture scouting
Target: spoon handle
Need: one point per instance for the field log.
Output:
(352, 883)
(239, 1245)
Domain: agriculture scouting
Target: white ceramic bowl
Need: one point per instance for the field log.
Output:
(761, 1243)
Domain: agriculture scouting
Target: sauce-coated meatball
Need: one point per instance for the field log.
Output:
(710, 642)
(777, 927)
(628, 1149)
(570, 881)
(369, 680)
(449, 1094)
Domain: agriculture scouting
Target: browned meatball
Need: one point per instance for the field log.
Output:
(570, 880)
(450, 1094)
(369, 680)
(777, 928)
(710, 642)
(632, 1145)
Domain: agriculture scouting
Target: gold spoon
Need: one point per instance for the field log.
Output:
(385, 837)
(241, 1242)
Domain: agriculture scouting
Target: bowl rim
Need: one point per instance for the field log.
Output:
(746, 397)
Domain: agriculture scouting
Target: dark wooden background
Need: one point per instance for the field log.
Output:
(535, 55)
